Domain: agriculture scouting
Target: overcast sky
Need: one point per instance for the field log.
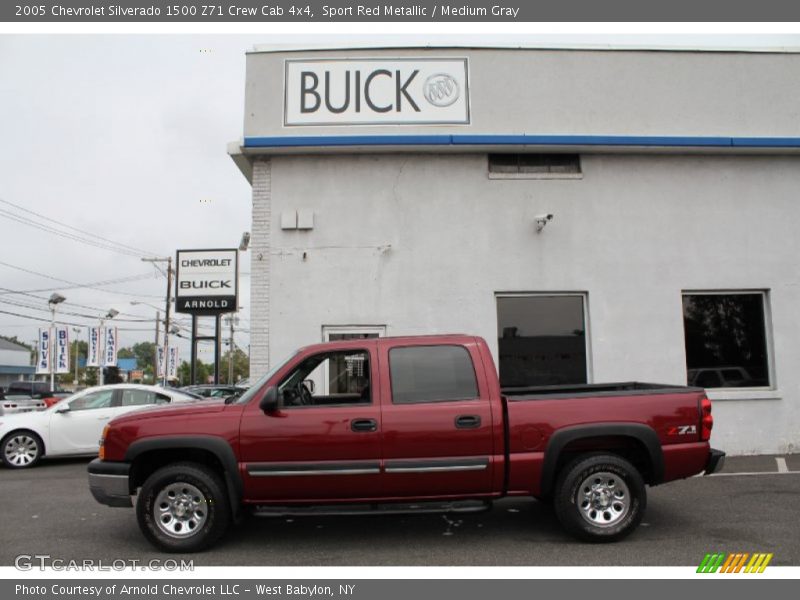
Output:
(124, 137)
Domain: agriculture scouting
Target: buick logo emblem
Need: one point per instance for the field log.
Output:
(441, 89)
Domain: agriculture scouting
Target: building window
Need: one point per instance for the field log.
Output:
(431, 374)
(726, 339)
(534, 166)
(542, 339)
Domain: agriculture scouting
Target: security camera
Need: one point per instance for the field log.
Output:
(542, 220)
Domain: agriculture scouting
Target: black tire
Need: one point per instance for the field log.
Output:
(21, 449)
(600, 498)
(168, 525)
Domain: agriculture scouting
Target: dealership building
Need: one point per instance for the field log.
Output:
(596, 215)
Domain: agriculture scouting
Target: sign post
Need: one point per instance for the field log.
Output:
(206, 284)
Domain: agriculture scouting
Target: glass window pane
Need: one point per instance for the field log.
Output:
(431, 374)
(726, 342)
(541, 340)
(137, 397)
(94, 400)
(331, 378)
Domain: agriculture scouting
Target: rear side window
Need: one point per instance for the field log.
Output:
(431, 374)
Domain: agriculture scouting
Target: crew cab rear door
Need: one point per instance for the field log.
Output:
(437, 420)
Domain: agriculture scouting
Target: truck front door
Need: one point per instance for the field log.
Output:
(324, 441)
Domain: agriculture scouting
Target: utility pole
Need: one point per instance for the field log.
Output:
(167, 260)
(155, 348)
(231, 321)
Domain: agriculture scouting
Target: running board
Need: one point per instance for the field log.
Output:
(388, 508)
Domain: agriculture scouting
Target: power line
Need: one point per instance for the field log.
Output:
(79, 285)
(92, 240)
(72, 314)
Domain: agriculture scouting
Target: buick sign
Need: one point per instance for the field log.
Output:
(207, 281)
(401, 91)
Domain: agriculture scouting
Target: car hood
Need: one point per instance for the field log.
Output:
(184, 409)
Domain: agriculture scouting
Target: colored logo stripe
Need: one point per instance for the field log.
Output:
(734, 562)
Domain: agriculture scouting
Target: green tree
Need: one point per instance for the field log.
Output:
(202, 372)
(241, 366)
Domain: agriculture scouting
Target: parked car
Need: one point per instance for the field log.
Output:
(214, 391)
(74, 425)
(55, 398)
(31, 389)
(398, 425)
(12, 405)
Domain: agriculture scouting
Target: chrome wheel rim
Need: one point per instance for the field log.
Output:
(21, 450)
(603, 499)
(180, 510)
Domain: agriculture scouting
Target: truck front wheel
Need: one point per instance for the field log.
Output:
(600, 498)
(183, 507)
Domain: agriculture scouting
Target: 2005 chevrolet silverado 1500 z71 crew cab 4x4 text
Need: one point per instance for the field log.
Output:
(397, 425)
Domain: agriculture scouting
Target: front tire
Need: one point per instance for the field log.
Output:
(21, 449)
(183, 507)
(600, 498)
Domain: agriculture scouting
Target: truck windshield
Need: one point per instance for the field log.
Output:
(245, 398)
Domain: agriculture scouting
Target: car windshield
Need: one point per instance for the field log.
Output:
(245, 398)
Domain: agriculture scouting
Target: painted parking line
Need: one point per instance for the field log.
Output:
(782, 468)
(787, 472)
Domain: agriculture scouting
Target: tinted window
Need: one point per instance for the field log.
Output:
(541, 340)
(431, 374)
(726, 339)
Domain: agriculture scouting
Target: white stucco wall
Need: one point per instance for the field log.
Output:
(422, 243)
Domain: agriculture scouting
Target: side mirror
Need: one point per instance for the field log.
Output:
(269, 403)
(63, 408)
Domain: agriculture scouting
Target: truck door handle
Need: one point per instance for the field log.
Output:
(364, 425)
(468, 422)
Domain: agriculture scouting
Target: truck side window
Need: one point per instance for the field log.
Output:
(330, 378)
(431, 374)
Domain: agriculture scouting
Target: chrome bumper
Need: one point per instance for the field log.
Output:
(108, 482)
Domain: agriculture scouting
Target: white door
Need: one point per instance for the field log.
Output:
(78, 430)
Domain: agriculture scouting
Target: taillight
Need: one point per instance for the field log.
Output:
(706, 420)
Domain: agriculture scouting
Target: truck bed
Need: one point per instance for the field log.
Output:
(626, 388)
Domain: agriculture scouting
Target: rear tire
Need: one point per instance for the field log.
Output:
(21, 449)
(600, 498)
(183, 507)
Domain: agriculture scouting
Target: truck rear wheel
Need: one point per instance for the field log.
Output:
(183, 507)
(600, 498)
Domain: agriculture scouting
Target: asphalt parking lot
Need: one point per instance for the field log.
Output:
(750, 507)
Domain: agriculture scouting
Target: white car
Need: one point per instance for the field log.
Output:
(73, 426)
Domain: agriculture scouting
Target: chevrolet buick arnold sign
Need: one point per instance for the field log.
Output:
(206, 281)
(399, 91)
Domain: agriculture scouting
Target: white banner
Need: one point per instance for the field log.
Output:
(43, 350)
(160, 362)
(172, 363)
(93, 356)
(110, 347)
(360, 91)
(62, 350)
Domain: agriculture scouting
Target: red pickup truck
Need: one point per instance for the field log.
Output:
(399, 425)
